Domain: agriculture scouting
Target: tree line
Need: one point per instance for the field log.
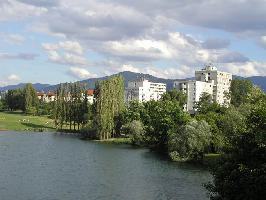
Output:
(71, 108)
(236, 132)
(24, 99)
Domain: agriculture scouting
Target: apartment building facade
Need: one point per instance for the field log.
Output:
(208, 80)
(142, 90)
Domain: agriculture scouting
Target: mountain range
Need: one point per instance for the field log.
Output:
(129, 76)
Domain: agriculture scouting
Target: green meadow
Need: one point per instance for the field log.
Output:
(17, 121)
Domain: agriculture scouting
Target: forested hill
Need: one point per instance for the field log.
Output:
(37, 86)
(128, 76)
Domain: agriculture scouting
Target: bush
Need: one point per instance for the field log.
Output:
(190, 141)
(135, 130)
(31, 111)
(241, 174)
(89, 131)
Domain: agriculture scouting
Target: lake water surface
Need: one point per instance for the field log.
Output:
(46, 166)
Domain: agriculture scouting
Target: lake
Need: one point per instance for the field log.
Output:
(47, 166)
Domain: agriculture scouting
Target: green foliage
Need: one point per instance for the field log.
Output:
(189, 141)
(46, 108)
(256, 122)
(31, 100)
(71, 106)
(231, 124)
(175, 95)
(15, 99)
(206, 105)
(241, 174)
(239, 91)
(89, 131)
(135, 130)
(3, 105)
(108, 105)
(160, 117)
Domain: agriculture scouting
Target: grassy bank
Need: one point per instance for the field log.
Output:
(17, 121)
(115, 141)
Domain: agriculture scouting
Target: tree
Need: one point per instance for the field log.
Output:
(71, 106)
(206, 104)
(231, 124)
(241, 173)
(256, 122)
(31, 100)
(135, 130)
(239, 91)
(175, 95)
(189, 141)
(158, 118)
(15, 99)
(109, 103)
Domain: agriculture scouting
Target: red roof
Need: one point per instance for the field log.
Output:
(40, 94)
(50, 94)
(90, 92)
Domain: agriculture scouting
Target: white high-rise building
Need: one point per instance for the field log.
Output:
(222, 82)
(143, 90)
(208, 80)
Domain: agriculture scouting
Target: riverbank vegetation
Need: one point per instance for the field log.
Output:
(233, 135)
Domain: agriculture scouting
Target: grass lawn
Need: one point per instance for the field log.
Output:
(17, 121)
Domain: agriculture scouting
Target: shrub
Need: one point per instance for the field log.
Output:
(135, 130)
(89, 131)
(190, 141)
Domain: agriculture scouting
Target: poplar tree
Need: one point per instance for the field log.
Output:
(31, 100)
(109, 103)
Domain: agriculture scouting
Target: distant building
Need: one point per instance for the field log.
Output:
(90, 97)
(46, 97)
(2, 94)
(143, 90)
(208, 80)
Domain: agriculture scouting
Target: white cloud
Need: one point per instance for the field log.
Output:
(14, 10)
(70, 46)
(178, 47)
(134, 32)
(65, 53)
(10, 79)
(263, 41)
(13, 77)
(81, 73)
(249, 68)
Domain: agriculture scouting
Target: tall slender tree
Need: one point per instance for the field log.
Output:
(109, 103)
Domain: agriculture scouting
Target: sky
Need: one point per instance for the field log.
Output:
(53, 41)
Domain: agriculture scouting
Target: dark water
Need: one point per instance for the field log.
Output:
(45, 166)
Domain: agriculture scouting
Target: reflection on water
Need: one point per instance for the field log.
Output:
(41, 166)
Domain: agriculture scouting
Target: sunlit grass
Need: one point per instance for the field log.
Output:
(18, 121)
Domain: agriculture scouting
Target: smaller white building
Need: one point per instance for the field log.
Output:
(194, 89)
(143, 90)
(207, 80)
